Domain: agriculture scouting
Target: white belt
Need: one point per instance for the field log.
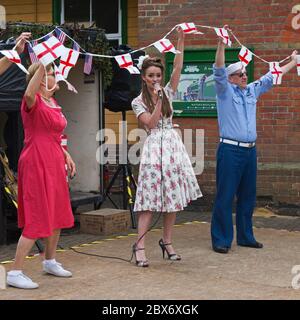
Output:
(237, 143)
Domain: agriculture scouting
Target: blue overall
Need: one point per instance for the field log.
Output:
(236, 165)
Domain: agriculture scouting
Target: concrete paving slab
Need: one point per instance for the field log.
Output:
(244, 273)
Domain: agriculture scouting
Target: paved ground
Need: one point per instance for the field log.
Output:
(244, 273)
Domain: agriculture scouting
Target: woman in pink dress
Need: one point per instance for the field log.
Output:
(43, 195)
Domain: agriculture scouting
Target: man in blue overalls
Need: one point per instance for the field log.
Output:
(236, 154)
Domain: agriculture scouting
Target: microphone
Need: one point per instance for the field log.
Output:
(158, 90)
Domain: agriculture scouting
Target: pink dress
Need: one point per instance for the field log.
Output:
(43, 193)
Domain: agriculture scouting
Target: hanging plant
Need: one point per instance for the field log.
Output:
(92, 40)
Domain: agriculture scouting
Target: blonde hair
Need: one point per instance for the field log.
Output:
(33, 68)
(166, 107)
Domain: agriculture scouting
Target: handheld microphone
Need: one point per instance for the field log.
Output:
(158, 90)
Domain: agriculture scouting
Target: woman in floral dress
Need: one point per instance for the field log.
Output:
(167, 182)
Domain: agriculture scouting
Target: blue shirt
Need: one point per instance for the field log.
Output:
(237, 107)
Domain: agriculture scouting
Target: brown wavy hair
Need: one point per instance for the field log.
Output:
(146, 97)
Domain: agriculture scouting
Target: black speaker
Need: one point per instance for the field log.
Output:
(125, 86)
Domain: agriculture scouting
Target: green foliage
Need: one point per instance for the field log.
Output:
(92, 40)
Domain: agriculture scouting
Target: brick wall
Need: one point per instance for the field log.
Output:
(264, 25)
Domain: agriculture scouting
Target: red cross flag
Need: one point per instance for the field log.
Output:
(276, 72)
(165, 45)
(245, 56)
(125, 61)
(13, 56)
(67, 61)
(298, 64)
(189, 28)
(59, 77)
(221, 32)
(49, 50)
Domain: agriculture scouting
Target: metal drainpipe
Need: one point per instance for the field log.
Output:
(101, 125)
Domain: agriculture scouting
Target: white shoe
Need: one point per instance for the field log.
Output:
(56, 269)
(20, 281)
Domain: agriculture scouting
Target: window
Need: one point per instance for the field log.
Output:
(104, 14)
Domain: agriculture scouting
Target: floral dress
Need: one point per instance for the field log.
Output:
(167, 181)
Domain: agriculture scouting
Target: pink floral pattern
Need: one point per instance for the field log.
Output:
(167, 181)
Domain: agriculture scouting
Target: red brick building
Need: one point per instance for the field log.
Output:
(272, 29)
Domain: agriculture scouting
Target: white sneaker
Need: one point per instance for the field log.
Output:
(20, 281)
(56, 269)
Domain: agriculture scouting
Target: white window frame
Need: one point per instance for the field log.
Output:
(110, 36)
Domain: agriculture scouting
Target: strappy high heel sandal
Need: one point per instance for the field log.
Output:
(171, 256)
(139, 263)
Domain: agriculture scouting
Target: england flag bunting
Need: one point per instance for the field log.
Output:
(165, 45)
(125, 61)
(67, 61)
(13, 56)
(245, 56)
(49, 50)
(298, 64)
(59, 77)
(189, 28)
(221, 32)
(276, 72)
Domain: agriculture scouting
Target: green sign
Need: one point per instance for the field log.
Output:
(196, 94)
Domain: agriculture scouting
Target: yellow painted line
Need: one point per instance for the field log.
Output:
(30, 257)
(110, 239)
(121, 237)
(61, 250)
(96, 242)
(188, 223)
(75, 247)
(132, 234)
(6, 262)
(155, 230)
(177, 225)
(85, 245)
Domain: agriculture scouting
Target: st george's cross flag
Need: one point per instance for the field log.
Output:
(49, 50)
(245, 56)
(298, 64)
(67, 61)
(13, 56)
(276, 72)
(221, 32)
(189, 28)
(59, 77)
(125, 61)
(165, 45)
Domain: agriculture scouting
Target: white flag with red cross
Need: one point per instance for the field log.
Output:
(165, 45)
(221, 32)
(245, 56)
(189, 28)
(298, 64)
(59, 77)
(68, 61)
(125, 61)
(276, 72)
(49, 50)
(13, 56)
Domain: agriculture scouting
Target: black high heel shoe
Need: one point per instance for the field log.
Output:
(139, 263)
(171, 256)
